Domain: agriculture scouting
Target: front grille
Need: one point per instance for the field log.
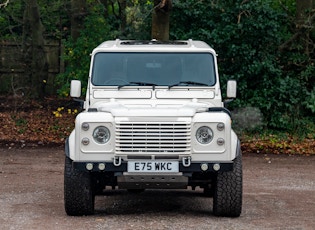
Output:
(153, 137)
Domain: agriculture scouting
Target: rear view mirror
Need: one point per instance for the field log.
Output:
(231, 89)
(75, 88)
(230, 92)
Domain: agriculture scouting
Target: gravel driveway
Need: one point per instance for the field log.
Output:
(279, 193)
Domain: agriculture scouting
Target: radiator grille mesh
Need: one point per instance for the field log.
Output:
(170, 137)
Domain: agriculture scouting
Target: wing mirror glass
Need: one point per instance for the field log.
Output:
(231, 89)
(75, 88)
(230, 92)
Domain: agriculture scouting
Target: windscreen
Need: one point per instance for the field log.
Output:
(161, 69)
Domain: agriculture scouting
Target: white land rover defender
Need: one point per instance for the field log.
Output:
(154, 119)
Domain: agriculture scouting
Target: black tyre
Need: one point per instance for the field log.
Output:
(78, 191)
(228, 192)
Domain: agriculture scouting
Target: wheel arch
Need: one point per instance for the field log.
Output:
(235, 145)
(70, 146)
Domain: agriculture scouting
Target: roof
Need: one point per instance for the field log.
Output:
(153, 45)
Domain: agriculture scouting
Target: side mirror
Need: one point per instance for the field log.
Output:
(75, 88)
(231, 89)
(230, 92)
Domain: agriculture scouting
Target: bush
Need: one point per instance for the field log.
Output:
(247, 36)
(248, 119)
(77, 53)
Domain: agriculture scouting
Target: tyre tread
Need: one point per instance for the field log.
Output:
(227, 200)
(78, 192)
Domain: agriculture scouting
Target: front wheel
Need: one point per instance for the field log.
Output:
(227, 199)
(78, 191)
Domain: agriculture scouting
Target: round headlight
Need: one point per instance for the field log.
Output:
(204, 135)
(101, 134)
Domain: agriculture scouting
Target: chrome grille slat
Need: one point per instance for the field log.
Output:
(155, 137)
(149, 141)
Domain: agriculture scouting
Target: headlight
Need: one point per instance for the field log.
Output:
(101, 134)
(204, 135)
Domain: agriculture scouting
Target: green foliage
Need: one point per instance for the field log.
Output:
(97, 29)
(54, 16)
(10, 18)
(138, 20)
(247, 36)
(287, 5)
(77, 52)
(310, 100)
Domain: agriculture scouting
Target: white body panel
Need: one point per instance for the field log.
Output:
(134, 107)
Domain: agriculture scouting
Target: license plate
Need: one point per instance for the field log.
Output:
(153, 166)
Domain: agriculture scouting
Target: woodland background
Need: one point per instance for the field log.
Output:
(267, 46)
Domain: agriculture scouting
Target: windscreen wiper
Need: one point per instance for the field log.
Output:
(140, 83)
(188, 83)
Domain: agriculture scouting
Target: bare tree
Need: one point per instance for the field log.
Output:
(123, 17)
(305, 22)
(302, 6)
(161, 19)
(304, 25)
(4, 4)
(78, 13)
(33, 48)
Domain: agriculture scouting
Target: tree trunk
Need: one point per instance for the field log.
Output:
(78, 13)
(34, 47)
(123, 16)
(304, 21)
(303, 8)
(105, 4)
(161, 19)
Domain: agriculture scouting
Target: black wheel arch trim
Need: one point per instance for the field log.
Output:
(238, 148)
(67, 148)
(220, 109)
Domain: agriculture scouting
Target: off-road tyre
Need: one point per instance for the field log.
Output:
(228, 192)
(78, 191)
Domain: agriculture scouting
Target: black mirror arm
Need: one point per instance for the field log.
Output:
(227, 101)
(80, 101)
